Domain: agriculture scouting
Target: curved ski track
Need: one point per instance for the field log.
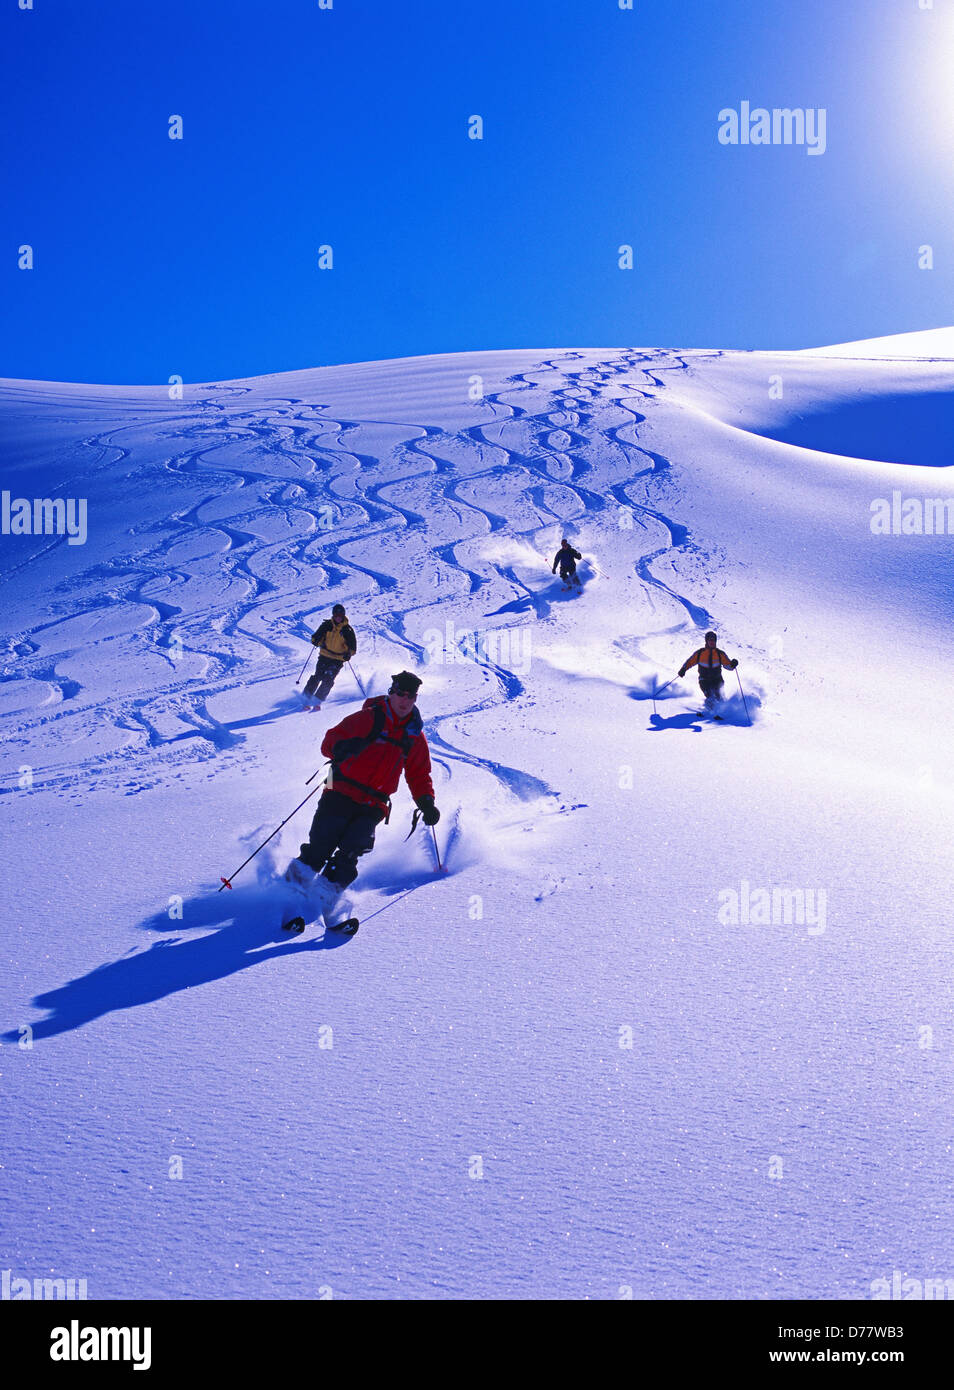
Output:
(217, 590)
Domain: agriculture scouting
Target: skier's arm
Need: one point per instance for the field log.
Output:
(553, 569)
(576, 555)
(347, 633)
(357, 725)
(417, 770)
(319, 636)
(687, 665)
(724, 661)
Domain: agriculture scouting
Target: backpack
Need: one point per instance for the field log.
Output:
(358, 745)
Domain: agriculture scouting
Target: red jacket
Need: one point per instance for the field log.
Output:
(379, 765)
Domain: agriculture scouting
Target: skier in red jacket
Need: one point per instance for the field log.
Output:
(368, 751)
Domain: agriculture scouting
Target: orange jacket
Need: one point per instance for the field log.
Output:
(707, 657)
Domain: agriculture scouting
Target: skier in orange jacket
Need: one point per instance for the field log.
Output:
(710, 659)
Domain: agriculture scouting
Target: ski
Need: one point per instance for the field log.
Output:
(296, 925)
(347, 928)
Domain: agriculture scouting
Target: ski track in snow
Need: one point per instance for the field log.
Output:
(486, 1016)
(222, 594)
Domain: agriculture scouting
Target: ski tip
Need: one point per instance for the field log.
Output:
(297, 924)
(347, 927)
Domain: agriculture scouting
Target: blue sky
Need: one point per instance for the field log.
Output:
(305, 127)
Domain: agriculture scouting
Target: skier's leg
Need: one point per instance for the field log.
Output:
(312, 682)
(327, 672)
(329, 824)
(710, 683)
(356, 839)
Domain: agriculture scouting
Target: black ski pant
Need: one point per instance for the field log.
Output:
(325, 675)
(570, 576)
(342, 830)
(710, 683)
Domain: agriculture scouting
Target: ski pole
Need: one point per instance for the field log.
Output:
(355, 674)
(440, 866)
(302, 671)
(742, 693)
(660, 690)
(414, 820)
(316, 772)
(227, 882)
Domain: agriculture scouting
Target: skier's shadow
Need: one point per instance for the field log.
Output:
(538, 602)
(168, 966)
(685, 720)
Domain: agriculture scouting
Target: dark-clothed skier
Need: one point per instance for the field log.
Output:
(566, 557)
(710, 660)
(336, 644)
(368, 751)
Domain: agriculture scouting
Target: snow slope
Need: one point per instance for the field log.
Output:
(927, 343)
(559, 1071)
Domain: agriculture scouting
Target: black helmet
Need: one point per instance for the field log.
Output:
(405, 683)
(338, 608)
(713, 635)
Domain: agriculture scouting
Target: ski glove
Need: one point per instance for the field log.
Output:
(682, 670)
(429, 812)
(733, 664)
